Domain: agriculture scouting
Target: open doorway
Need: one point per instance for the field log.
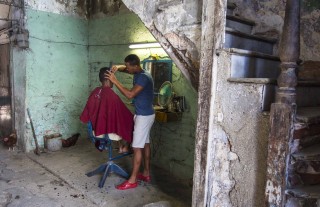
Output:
(6, 124)
(5, 91)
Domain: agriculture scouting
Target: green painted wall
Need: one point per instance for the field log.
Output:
(56, 73)
(61, 68)
(172, 143)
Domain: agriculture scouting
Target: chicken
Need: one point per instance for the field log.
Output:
(70, 141)
(10, 141)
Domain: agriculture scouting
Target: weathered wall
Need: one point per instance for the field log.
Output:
(63, 7)
(55, 68)
(240, 138)
(166, 21)
(173, 142)
(176, 24)
(109, 38)
(269, 17)
(180, 35)
(18, 68)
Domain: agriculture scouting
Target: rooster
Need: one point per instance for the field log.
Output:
(11, 140)
(70, 141)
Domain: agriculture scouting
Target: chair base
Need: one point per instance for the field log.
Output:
(106, 168)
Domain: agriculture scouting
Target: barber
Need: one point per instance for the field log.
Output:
(142, 93)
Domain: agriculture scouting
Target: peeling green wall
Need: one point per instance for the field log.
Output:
(56, 73)
(61, 68)
(172, 143)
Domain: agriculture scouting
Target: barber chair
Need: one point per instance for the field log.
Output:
(105, 143)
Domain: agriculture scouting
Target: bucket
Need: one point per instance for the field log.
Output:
(53, 142)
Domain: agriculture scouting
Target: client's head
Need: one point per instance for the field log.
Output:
(102, 78)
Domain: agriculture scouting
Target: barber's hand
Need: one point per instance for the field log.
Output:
(110, 75)
(114, 68)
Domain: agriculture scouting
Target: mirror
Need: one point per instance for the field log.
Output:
(160, 70)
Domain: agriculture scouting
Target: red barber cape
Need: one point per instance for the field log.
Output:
(108, 114)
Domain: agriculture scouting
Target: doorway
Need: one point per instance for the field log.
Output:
(5, 92)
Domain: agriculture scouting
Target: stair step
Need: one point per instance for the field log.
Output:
(250, 53)
(309, 83)
(236, 39)
(309, 70)
(302, 130)
(268, 85)
(240, 24)
(308, 96)
(230, 8)
(305, 192)
(311, 153)
(307, 167)
(254, 80)
(309, 115)
(249, 64)
(310, 140)
(271, 81)
(310, 179)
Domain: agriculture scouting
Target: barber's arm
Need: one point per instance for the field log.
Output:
(121, 68)
(129, 93)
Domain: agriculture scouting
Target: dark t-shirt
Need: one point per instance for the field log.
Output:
(143, 101)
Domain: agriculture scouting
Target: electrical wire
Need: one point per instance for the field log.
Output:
(107, 45)
(58, 42)
(66, 42)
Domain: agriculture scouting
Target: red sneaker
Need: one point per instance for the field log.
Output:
(144, 178)
(126, 185)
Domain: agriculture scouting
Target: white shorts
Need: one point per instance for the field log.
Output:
(142, 128)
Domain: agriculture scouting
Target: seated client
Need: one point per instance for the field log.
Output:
(108, 114)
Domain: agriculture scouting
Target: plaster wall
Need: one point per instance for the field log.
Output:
(239, 141)
(18, 68)
(56, 74)
(173, 142)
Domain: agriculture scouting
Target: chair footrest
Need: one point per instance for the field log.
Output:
(107, 168)
(99, 170)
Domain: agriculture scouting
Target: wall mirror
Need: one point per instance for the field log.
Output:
(160, 70)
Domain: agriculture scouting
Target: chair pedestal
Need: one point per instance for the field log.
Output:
(109, 167)
(106, 169)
